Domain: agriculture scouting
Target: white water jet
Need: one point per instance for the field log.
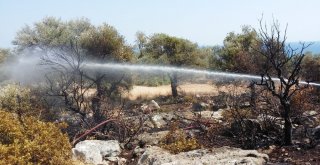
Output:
(168, 69)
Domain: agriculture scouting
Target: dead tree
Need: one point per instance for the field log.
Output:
(70, 81)
(66, 80)
(282, 70)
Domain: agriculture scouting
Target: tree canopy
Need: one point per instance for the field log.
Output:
(102, 42)
(239, 52)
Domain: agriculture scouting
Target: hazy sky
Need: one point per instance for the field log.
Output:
(203, 21)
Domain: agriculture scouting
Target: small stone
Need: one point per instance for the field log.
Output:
(157, 121)
(287, 159)
(306, 140)
(154, 104)
(112, 159)
(122, 161)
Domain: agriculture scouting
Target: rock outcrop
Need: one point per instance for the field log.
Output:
(224, 155)
(96, 151)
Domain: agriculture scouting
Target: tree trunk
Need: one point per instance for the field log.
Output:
(174, 84)
(96, 102)
(287, 126)
(287, 131)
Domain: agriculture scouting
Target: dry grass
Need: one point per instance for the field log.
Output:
(145, 92)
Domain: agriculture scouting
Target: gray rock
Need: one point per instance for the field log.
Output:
(245, 105)
(211, 114)
(139, 151)
(309, 113)
(145, 108)
(168, 116)
(225, 155)
(116, 160)
(309, 118)
(316, 132)
(152, 138)
(205, 114)
(158, 121)
(154, 105)
(95, 151)
(218, 114)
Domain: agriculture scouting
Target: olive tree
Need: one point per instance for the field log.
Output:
(169, 50)
(65, 47)
(238, 52)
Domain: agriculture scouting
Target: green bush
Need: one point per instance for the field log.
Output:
(14, 98)
(30, 141)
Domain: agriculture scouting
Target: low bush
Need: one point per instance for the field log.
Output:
(176, 141)
(30, 141)
(14, 98)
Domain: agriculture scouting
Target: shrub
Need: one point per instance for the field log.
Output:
(176, 141)
(15, 98)
(304, 100)
(30, 141)
(231, 115)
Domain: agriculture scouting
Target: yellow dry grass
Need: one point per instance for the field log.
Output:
(144, 92)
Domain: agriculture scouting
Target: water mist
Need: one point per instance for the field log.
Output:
(113, 67)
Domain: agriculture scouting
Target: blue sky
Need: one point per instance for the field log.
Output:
(203, 21)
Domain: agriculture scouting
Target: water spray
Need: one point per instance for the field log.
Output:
(169, 69)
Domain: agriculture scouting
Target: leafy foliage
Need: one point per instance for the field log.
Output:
(16, 99)
(169, 50)
(104, 42)
(66, 46)
(238, 53)
(31, 141)
(311, 68)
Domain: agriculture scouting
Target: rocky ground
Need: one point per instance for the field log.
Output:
(201, 118)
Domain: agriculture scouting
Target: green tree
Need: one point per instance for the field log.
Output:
(50, 33)
(104, 42)
(141, 42)
(238, 53)
(169, 50)
(311, 67)
(72, 43)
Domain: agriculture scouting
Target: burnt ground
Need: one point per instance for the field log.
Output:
(215, 136)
